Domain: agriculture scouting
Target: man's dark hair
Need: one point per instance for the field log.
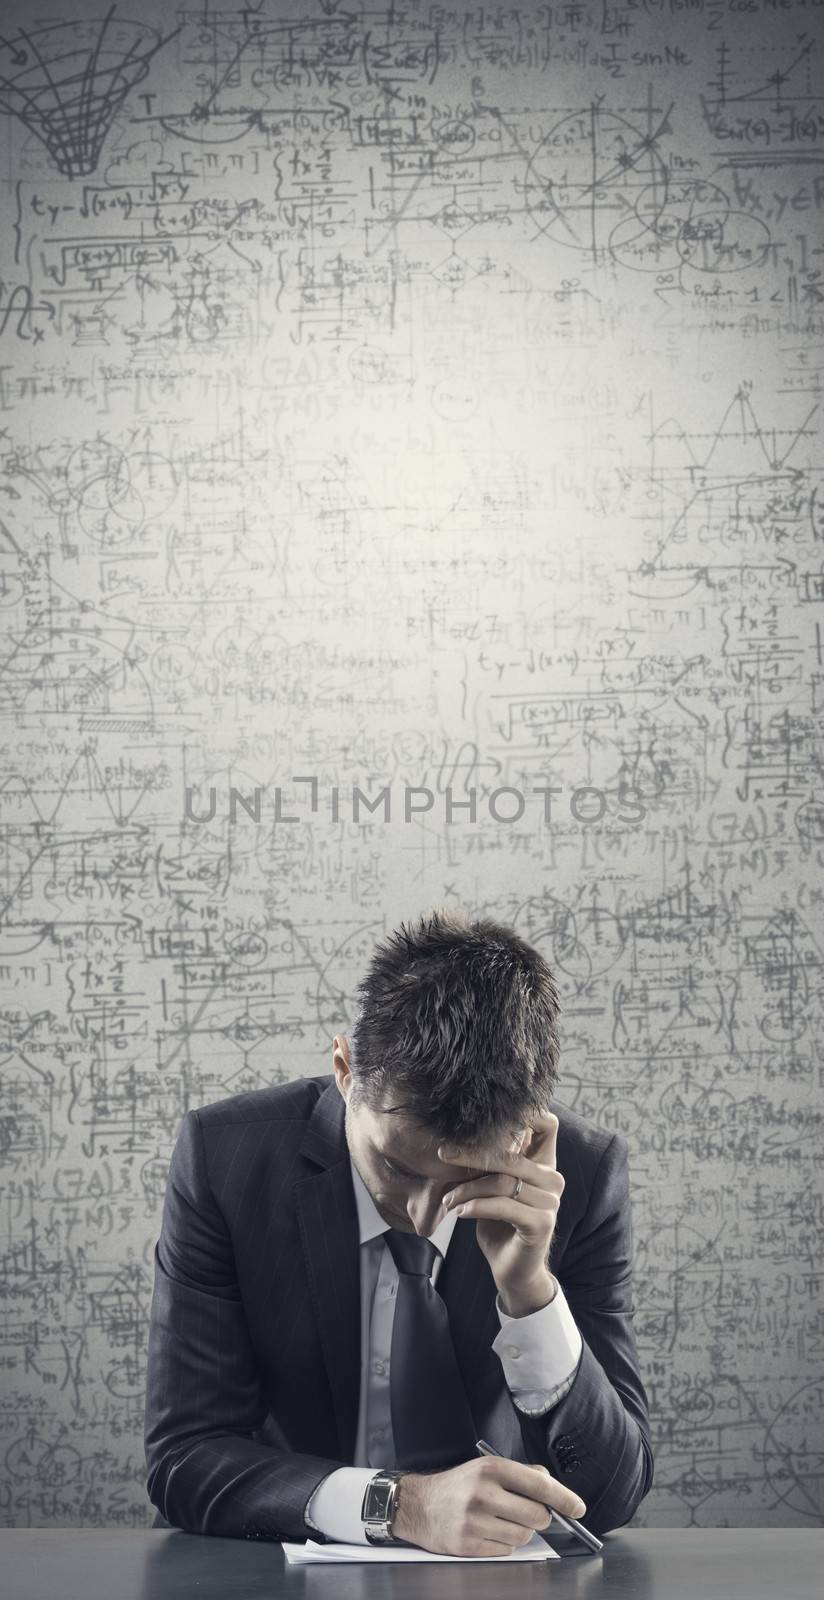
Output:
(456, 1020)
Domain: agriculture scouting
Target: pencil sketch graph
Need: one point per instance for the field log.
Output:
(66, 81)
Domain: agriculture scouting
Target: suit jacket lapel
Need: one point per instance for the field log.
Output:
(328, 1221)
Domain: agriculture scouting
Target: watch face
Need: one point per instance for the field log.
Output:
(378, 1500)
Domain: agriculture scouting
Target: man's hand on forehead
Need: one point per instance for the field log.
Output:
(538, 1143)
(514, 1199)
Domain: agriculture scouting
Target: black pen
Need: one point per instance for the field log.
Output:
(569, 1523)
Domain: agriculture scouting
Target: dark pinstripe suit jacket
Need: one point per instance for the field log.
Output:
(254, 1341)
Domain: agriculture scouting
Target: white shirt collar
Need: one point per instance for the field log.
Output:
(371, 1223)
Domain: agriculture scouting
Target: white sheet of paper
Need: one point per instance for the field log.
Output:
(536, 1550)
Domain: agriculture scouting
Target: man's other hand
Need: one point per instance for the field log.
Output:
(514, 1230)
(486, 1507)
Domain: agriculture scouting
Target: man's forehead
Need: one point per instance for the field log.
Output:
(405, 1136)
(398, 1134)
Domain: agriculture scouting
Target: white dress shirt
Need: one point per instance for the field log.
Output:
(539, 1354)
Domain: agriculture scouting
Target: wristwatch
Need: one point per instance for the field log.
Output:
(380, 1505)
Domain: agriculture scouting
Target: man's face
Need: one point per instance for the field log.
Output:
(397, 1158)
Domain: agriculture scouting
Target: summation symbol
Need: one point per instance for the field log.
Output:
(66, 80)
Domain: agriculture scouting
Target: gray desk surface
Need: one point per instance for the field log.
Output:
(669, 1564)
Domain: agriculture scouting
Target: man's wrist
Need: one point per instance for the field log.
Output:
(406, 1522)
(524, 1301)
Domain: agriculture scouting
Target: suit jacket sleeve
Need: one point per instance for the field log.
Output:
(597, 1438)
(209, 1471)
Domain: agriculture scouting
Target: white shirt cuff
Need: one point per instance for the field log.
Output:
(539, 1353)
(334, 1507)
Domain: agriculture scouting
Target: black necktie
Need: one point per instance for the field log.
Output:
(431, 1418)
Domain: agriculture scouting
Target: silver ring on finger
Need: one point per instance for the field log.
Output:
(518, 1187)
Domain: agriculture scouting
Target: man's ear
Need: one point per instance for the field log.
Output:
(341, 1063)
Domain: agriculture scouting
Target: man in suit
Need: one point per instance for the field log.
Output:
(359, 1273)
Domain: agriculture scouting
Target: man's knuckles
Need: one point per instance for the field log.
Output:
(535, 1484)
(465, 1525)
